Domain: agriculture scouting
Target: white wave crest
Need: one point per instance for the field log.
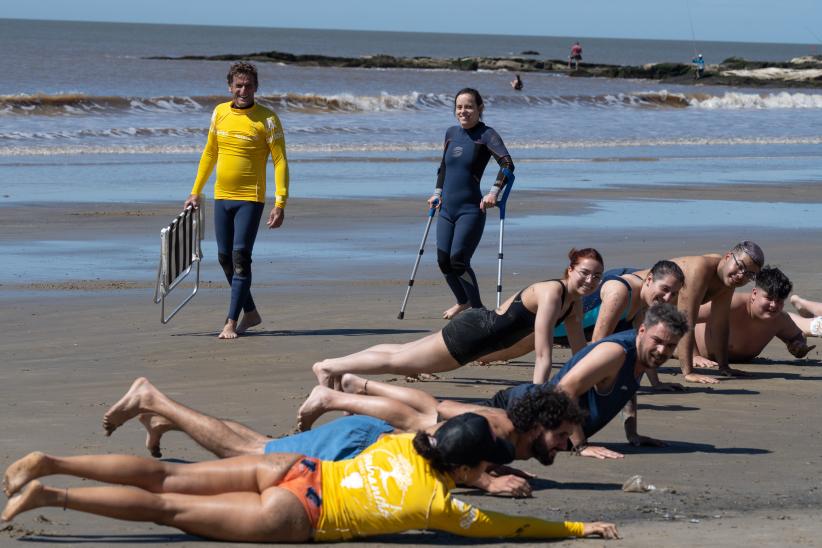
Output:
(735, 101)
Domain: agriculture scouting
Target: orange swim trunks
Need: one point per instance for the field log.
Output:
(304, 479)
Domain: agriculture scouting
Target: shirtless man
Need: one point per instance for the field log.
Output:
(713, 278)
(756, 318)
(537, 428)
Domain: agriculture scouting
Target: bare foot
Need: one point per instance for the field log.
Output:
(312, 408)
(249, 320)
(155, 426)
(801, 306)
(32, 496)
(353, 384)
(324, 378)
(23, 471)
(454, 310)
(229, 330)
(129, 405)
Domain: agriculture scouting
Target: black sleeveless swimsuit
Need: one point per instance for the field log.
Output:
(479, 331)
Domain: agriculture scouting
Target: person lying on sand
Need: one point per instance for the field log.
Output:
(537, 427)
(400, 483)
(756, 318)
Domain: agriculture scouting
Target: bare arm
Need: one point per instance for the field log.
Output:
(600, 365)
(793, 336)
(573, 328)
(630, 424)
(720, 325)
(689, 301)
(549, 306)
(614, 302)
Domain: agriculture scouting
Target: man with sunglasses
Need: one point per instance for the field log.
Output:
(712, 278)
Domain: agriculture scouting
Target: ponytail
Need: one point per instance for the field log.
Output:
(425, 445)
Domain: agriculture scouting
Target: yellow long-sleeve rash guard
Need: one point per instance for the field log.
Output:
(390, 488)
(239, 142)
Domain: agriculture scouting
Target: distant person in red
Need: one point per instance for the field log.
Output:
(576, 56)
(516, 83)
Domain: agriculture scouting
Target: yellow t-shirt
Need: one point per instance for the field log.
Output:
(390, 488)
(239, 142)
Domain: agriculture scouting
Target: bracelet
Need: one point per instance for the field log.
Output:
(438, 192)
(494, 191)
(578, 449)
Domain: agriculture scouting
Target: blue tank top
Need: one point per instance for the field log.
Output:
(592, 303)
(602, 407)
(464, 159)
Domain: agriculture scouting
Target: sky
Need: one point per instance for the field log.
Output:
(790, 21)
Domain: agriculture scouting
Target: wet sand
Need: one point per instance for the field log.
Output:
(745, 455)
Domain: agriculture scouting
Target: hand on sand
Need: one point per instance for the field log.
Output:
(601, 529)
(509, 486)
(600, 453)
(704, 363)
(701, 379)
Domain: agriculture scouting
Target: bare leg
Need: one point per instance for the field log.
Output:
(156, 426)
(249, 320)
(211, 433)
(806, 307)
(252, 473)
(807, 324)
(421, 401)
(426, 355)
(323, 399)
(275, 515)
(454, 310)
(229, 330)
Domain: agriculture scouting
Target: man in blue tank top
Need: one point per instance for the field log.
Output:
(605, 375)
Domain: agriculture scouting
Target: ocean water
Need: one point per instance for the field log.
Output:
(84, 117)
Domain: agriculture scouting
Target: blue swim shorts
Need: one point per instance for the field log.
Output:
(340, 439)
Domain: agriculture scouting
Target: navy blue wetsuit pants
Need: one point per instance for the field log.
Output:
(235, 225)
(457, 238)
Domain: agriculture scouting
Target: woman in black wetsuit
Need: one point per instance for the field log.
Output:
(478, 332)
(468, 147)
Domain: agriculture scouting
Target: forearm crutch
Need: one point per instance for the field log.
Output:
(509, 182)
(431, 212)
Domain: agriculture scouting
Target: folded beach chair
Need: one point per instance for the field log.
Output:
(179, 250)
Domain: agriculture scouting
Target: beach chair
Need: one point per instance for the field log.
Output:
(180, 250)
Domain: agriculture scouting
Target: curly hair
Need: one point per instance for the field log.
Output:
(773, 281)
(546, 406)
(242, 67)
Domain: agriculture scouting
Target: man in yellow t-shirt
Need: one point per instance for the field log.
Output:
(241, 137)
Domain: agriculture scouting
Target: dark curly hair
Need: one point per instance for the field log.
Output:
(242, 67)
(773, 281)
(544, 406)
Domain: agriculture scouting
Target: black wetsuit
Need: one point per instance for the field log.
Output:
(478, 331)
(461, 222)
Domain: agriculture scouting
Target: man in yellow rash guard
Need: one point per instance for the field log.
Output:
(241, 136)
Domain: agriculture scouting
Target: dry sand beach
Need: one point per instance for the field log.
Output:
(743, 465)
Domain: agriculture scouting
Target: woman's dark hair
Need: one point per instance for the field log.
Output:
(667, 268)
(242, 67)
(474, 93)
(464, 440)
(544, 406)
